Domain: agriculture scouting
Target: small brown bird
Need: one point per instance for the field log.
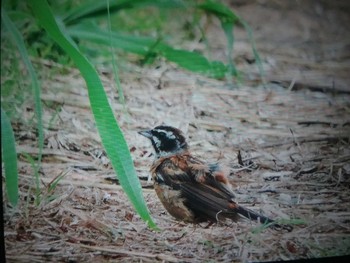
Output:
(191, 190)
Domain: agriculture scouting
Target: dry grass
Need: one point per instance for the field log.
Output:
(296, 171)
(295, 144)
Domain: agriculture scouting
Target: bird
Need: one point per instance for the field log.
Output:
(190, 189)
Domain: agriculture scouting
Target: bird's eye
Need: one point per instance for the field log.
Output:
(164, 135)
(168, 135)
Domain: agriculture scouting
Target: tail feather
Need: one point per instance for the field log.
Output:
(250, 214)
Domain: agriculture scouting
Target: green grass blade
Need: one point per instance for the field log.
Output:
(219, 10)
(228, 29)
(255, 52)
(194, 62)
(9, 158)
(19, 42)
(115, 67)
(94, 9)
(31, 160)
(134, 44)
(228, 19)
(111, 135)
(145, 45)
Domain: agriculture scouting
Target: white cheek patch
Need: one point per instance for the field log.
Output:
(157, 142)
(168, 134)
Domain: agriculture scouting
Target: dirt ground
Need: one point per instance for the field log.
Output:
(293, 134)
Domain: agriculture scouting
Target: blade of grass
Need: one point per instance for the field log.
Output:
(149, 47)
(192, 61)
(228, 19)
(115, 67)
(52, 185)
(50, 188)
(255, 51)
(31, 160)
(111, 135)
(86, 31)
(18, 41)
(94, 9)
(9, 157)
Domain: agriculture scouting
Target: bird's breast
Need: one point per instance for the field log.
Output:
(174, 203)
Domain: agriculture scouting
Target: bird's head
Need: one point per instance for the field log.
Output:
(166, 140)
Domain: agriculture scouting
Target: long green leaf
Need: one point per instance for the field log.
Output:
(220, 10)
(135, 44)
(228, 19)
(9, 157)
(255, 51)
(111, 135)
(143, 45)
(114, 62)
(194, 62)
(19, 42)
(94, 9)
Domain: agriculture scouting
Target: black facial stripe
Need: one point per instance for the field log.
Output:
(155, 146)
(167, 140)
(163, 143)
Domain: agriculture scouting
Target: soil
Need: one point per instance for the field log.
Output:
(292, 133)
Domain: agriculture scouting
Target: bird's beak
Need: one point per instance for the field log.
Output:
(147, 134)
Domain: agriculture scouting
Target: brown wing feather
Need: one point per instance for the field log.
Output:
(210, 175)
(207, 202)
(202, 193)
(205, 192)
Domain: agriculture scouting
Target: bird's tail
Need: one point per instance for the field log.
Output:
(250, 214)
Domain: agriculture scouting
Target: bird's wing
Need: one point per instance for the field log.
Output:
(168, 171)
(211, 175)
(188, 169)
(211, 204)
(208, 202)
(206, 196)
